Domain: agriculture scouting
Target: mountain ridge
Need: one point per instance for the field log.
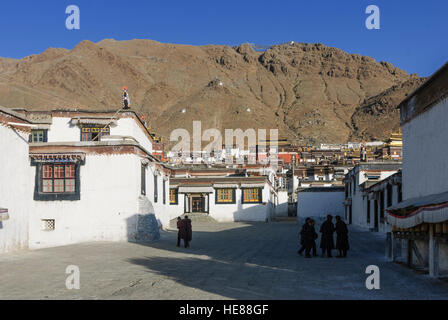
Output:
(310, 92)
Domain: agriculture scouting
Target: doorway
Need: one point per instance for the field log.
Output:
(198, 203)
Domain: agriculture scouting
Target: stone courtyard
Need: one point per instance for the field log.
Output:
(226, 261)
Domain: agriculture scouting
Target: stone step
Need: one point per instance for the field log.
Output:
(195, 217)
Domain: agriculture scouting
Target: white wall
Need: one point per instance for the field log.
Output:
(425, 153)
(107, 211)
(15, 189)
(281, 210)
(110, 186)
(129, 127)
(162, 211)
(235, 211)
(243, 211)
(61, 130)
(320, 204)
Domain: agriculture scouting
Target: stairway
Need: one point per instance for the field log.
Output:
(195, 217)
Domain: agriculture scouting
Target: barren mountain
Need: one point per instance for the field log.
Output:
(378, 115)
(310, 92)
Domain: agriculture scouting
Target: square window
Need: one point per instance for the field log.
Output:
(225, 195)
(48, 224)
(58, 178)
(57, 181)
(252, 195)
(38, 136)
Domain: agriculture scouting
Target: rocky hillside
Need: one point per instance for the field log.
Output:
(310, 92)
(378, 115)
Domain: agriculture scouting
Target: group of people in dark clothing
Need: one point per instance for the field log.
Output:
(185, 231)
(308, 238)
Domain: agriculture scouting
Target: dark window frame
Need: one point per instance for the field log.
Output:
(164, 191)
(143, 180)
(176, 195)
(222, 202)
(44, 138)
(98, 135)
(39, 195)
(62, 177)
(249, 202)
(156, 191)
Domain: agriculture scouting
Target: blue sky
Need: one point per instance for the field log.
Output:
(413, 34)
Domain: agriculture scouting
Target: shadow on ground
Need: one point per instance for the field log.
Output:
(259, 261)
(237, 263)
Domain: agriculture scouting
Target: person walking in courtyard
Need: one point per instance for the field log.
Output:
(315, 236)
(308, 237)
(327, 242)
(342, 244)
(188, 231)
(303, 235)
(179, 230)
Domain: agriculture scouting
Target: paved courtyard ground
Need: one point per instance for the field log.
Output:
(225, 261)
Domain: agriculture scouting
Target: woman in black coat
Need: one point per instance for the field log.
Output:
(342, 244)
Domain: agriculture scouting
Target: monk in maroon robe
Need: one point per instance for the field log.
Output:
(188, 231)
(179, 230)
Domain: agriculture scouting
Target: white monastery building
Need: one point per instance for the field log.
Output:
(356, 182)
(420, 221)
(72, 176)
(78, 176)
(15, 176)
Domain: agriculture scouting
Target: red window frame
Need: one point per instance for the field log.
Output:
(58, 178)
